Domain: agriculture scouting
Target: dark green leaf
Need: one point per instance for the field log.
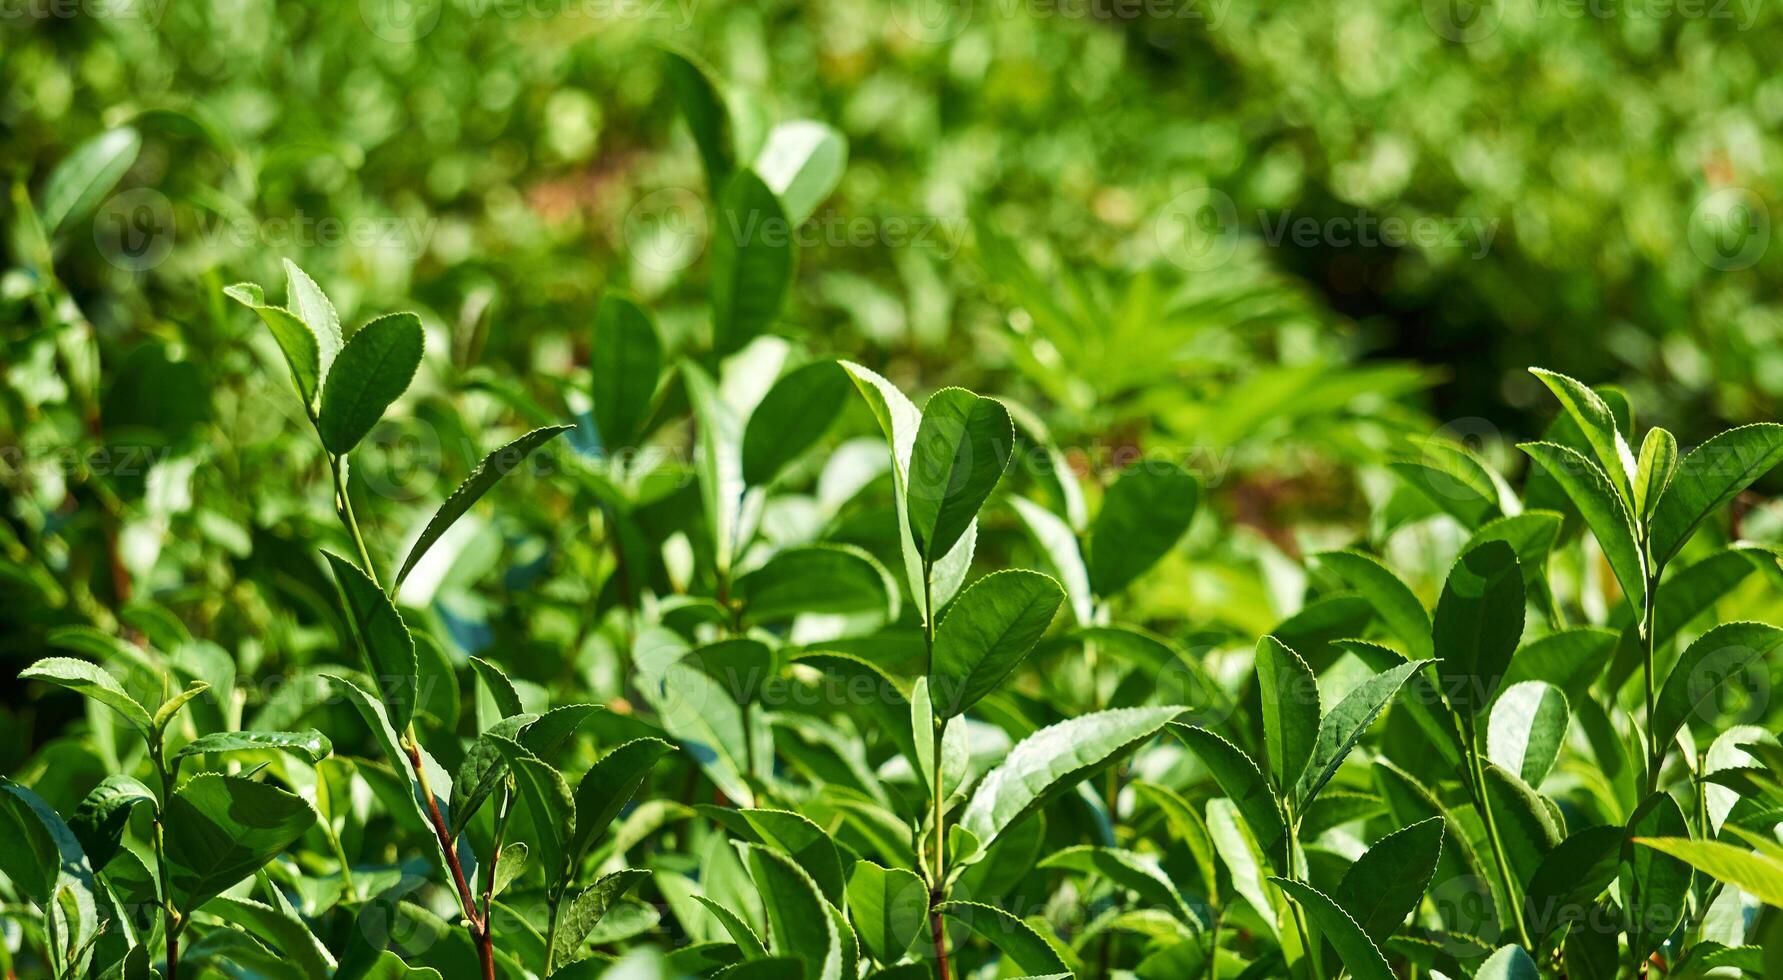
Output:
(1387, 883)
(1570, 878)
(220, 829)
(703, 106)
(889, 907)
(791, 417)
(1032, 954)
(986, 633)
(373, 369)
(819, 578)
(1359, 953)
(311, 744)
(752, 262)
(1343, 726)
(1393, 600)
(383, 637)
(486, 474)
(799, 922)
(1145, 511)
(1654, 884)
(580, 917)
(1708, 477)
(99, 820)
(1604, 512)
(625, 364)
(549, 803)
(1291, 712)
(1241, 780)
(1477, 624)
(1716, 657)
(609, 785)
(962, 446)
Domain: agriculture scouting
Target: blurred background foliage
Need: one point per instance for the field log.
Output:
(1094, 190)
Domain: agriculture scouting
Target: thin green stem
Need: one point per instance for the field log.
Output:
(1298, 870)
(938, 882)
(1476, 773)
(343, 505)
(170, 917)
(1655, 754)
(551, 938)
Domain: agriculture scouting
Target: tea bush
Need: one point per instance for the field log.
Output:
(727, 657)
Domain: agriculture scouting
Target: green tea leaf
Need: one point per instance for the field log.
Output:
(83, 178)
(308, 303)
(1386, 884)
(98, 822)
(822, 579)
(1654, 882)
(986, 633)
(609, 785)
(383, 637)
(299, 344)
(799, 923)
(1144, 513)
(220, 829)
(1653, 472)
(311, 744)
(1608, 446)
(791, 417)
(1393, 601)
(1343, 727)
(624, 365)
(1359, 953)
(1604, 512)
(1032, 954)
(1708, 477)
(1571, 877)
(1479, 619)
(486, 474)
(889, 907)
(373, 370)
(552, 808)
(1291, 712)
(1716, 657)
(43, 859)
(702, 105)
(92, 681)
(580, 917)
(1054, 759)
(802, 161)
(1509, 963)
(961, 448)
(1241, 780)
(1750, 871)
(1527, 730)
(752, 262)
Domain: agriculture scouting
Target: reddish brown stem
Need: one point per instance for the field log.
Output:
(938, 932)
(479, 928)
